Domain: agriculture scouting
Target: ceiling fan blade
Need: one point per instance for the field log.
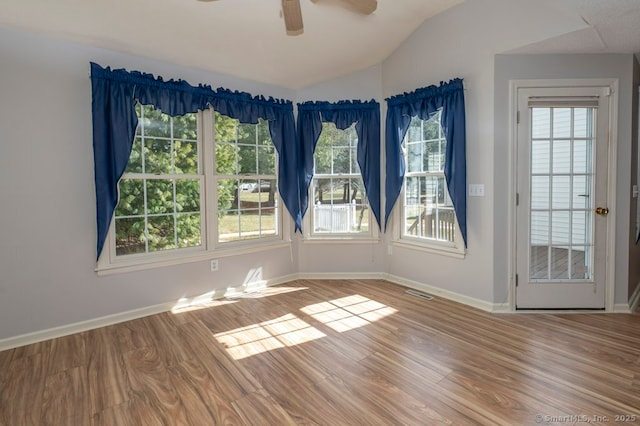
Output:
(292, 16)
(366, 7)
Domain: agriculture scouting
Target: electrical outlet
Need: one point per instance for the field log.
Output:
(476, 190)
(214, 265)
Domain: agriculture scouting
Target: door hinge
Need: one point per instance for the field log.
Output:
(517, 198)
(517, 117)
(516, 280)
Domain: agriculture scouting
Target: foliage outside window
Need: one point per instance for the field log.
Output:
(428, 213)
(162, 197)
(160, 204)
(339, 200)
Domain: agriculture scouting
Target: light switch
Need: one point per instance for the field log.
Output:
(476, 190)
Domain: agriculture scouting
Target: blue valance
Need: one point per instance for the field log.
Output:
(115, 94)
(423, 103)
(366, 116)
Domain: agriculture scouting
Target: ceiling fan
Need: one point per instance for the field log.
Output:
(292, 13)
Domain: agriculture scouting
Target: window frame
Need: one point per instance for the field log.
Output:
(455, 248)
(310, 236)
(109, 263)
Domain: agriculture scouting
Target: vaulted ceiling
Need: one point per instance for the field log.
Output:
(246, 38)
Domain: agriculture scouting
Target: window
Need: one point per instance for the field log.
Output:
(339, 205)
(428, 215)
(168, 184)
(245, 180)
(160, 204)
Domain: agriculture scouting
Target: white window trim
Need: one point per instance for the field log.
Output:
(108, 263)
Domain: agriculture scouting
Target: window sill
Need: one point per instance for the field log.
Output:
(123, 266)
(448, 251)
(340, 240)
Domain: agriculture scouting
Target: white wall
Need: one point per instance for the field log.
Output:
(462, 42)
(47, 218)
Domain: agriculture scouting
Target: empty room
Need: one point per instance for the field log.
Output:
(319, 212)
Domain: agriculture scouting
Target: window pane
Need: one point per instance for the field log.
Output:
(188, 230)
(539, 192)
(154, 123)
(582, 156)
(187, 195)
(185, 157)
(247, 163)
(561, 122)
(249, 224)
(225, 159)
(560, 260)
(561, 156)
(130, 236)
(264, 135)
(581, 192)
(431, 128)
(322, 191)
(414, 157)
(540, 123)
(415, 132)
(341, 160)
(560, 227)
(580, 262)
(157, 156)
(561, 189)
(580, 228)
(540, 160)
(131, 200)
(159, 196)
(228, 225)
(185, 127)
(539, 266)
(227, 193)
(161, 233)
(266, 160)
(225, 128)
(540, 230)
(246, 134)
(433, 156)
(582, 125)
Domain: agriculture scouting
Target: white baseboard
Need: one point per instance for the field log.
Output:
(79, 327)
(634, 301)
(456, 297)
(341, 276)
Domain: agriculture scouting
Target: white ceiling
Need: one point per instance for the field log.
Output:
(246, 38)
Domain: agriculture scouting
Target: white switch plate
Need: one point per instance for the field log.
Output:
(214, 265)
(476, 190)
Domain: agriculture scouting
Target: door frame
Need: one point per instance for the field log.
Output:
(514, 86)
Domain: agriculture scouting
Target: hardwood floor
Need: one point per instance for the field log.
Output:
(331, 353)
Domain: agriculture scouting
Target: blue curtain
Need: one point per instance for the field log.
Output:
(115, 94)
(423, 103)
(366, 116)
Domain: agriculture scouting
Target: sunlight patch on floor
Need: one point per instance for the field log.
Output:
(348, 312)
(287, 330)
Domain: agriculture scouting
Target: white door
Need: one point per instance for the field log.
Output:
(561, 219)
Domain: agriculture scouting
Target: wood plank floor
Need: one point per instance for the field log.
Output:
(345, 352)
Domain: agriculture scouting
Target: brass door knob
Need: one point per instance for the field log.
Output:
(602, 211)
